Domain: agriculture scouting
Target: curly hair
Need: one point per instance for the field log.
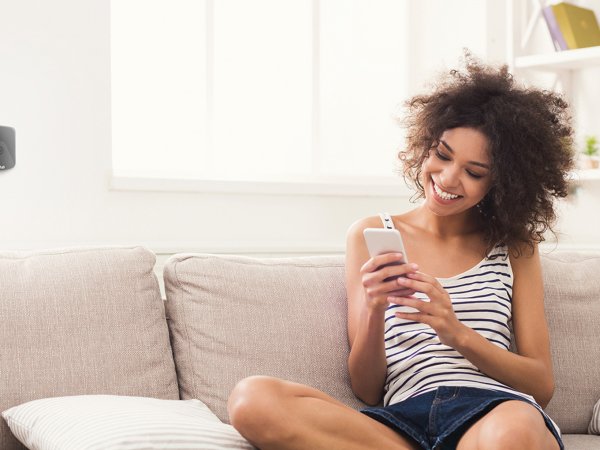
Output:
(530, 143)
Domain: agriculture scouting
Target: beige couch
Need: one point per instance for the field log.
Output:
(91, 321)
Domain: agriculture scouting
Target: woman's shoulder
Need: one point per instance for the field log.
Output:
(374, 221)
(359, 225)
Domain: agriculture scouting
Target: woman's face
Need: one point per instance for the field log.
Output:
(457, 173)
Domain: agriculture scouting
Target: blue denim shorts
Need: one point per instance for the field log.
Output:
(438, 419)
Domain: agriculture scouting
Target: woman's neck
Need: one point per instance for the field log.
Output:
(445, 226)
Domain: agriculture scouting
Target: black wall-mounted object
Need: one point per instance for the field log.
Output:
(7, 148)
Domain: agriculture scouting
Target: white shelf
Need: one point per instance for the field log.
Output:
(586, 175)
(580, 58)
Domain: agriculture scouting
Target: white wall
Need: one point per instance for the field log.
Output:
(55, 81)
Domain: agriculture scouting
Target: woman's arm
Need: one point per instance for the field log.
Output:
(529, 371)
(367, 302)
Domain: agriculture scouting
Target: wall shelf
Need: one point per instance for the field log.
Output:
(580, 58)
(586, 175)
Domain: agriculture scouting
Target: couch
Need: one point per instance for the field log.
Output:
(85, 331)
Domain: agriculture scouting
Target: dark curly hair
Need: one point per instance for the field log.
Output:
(530, 143)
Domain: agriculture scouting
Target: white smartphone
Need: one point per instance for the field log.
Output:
(384, 240)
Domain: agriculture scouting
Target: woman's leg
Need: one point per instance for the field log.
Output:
(512, 424)
(277, 414)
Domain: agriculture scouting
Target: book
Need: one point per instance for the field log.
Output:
(557, 37)
(578, 26)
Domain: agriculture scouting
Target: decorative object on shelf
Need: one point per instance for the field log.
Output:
(578, 26)
(557, 37)
(590, 152)
(7, 148)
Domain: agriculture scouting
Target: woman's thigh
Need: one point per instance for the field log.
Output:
(511, 424)
(274, 413)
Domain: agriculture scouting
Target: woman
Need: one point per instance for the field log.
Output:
(488, 158)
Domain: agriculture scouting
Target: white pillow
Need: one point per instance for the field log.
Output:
(87, 422)
(594, 427)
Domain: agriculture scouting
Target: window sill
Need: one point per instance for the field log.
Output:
(330, 186)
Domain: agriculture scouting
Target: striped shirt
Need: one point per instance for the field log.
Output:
(417, 362)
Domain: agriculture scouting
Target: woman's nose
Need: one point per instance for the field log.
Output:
(449, 177)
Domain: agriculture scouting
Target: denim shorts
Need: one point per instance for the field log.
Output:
(438, 419)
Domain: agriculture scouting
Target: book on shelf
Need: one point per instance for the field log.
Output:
(557, 37)
(578, 26)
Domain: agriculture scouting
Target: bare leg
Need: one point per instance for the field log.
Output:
(277, 414)
(510, 425)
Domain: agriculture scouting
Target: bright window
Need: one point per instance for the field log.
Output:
(257, 90)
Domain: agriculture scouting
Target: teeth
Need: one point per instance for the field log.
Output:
(445, 195)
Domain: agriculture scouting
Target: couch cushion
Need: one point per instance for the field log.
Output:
(231, 317)
(572, 300)
(81, 321)
(120, 422)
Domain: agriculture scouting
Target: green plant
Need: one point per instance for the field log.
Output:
(591, 146)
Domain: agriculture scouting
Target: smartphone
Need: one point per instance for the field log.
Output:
(384, 240)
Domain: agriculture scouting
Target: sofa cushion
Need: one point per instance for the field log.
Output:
(231, 317)
(572, 300)
(81, 321)
(118, 422)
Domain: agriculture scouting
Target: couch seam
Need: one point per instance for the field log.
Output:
(187, 334)
(27, 255)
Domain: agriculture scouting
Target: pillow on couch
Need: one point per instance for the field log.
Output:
(81, 321)
(113, 422)
(232, 316)
(594, 427)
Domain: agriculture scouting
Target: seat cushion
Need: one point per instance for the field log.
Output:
(572, 300)
(231, 317)
(81, 321)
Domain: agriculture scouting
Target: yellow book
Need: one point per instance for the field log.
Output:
(578, 25)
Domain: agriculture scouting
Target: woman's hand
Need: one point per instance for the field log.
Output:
(438, 313)
(378, 277)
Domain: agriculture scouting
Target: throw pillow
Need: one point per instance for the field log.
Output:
(86, 422)
(594, 427)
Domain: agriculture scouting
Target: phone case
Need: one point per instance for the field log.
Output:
(384, 240)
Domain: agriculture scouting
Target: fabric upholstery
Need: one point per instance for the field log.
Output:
(572, 300)
(81, 321)
(109, 422)
(231, 317)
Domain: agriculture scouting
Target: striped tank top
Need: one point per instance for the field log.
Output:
(417, 362)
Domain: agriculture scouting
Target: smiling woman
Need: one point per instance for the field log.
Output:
(511, 120)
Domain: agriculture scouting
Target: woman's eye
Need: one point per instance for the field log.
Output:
(474, 175)
(441, 156)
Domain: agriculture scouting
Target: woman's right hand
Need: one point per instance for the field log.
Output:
(378, 276)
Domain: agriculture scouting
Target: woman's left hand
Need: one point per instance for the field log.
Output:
(438, 313)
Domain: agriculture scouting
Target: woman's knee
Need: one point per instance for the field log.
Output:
(253, 405)
(520, 426)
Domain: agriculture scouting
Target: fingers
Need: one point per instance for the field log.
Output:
(381, 260)
(424, 308)
(419, 304)
(421, 282)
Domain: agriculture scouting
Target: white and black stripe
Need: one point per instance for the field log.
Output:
(417, 361)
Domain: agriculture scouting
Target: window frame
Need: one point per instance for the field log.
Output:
(312, 184)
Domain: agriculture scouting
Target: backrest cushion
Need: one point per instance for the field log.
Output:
(81, 321)
(572, 300)
(231, 317)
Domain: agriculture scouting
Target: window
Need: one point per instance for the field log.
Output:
(257, 90)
